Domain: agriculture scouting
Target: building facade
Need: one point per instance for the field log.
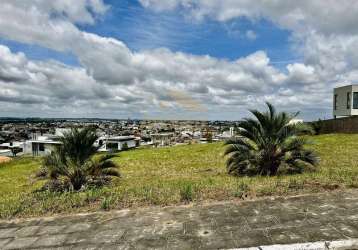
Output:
(345, 101)
(117, 143)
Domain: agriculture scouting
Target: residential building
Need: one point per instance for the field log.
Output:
(162, 139)
(41, 145)
(117, 143)
(345, 101)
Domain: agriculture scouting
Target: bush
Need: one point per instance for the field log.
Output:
(317, 126)
(268, 144)
(125, 147)
(74, 162)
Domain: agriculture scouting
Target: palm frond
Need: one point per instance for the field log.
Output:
(111, 172)
(267, 143)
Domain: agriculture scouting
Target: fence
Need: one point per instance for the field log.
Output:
(347, 125)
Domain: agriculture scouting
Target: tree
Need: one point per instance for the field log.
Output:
(74, 161)
(317, 126)
(208, 135)
(125, 146)
(267, 144)
(15, 150)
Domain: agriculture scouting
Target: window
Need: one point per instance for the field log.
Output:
(112, 146)
(335, 101)
(41, 147)
(355, 100)
(348, 100)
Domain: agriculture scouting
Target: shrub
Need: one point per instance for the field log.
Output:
(74, 162)
(267, 144)
(125, 147)
(317, 126)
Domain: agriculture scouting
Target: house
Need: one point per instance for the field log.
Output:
(5, 152)
(162, 139)
(9, 149)
(295, 121)
(117, 143)
(345, 101)
(41, 145)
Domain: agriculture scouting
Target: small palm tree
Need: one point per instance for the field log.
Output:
(317, 126)
(268, 144)
(74, 160)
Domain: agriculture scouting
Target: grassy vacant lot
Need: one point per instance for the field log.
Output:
(176, 175)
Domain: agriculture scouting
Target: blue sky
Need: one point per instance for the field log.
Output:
(143, 29)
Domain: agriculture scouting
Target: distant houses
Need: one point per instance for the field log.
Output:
(45, 144)
(39, 137)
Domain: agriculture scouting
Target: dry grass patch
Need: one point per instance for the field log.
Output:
(4, 159)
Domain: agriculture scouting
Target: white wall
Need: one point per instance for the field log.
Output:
(131, 144)
(354, 89)
(28, 148)
(342, 101)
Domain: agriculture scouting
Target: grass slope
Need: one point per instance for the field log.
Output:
(176, 175)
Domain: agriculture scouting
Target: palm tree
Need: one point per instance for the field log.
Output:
(74, 161)
(268, 144)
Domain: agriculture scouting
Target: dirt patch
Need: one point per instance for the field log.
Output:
(4, 159)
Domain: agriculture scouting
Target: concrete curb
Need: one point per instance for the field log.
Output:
(320, 245)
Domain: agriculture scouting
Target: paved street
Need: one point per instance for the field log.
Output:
(323, 217)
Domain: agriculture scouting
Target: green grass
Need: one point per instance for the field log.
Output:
(177, 175)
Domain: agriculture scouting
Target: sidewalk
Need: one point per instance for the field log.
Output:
(314, 218)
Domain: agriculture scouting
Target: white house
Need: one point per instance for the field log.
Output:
(44, 144)
(6, 148)
(117, 143)
(162, 139)
(345, 101)
(41, 145)
(5, 152)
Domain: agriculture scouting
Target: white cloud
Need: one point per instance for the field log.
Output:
(251, 35)
(323, 32)
(301, 74)
(329, 16)
(113, 80)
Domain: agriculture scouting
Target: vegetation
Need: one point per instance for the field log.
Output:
(268, 144)
(125, 147)
(72, 165)
(317, 126)
(208, 135)
(15, 150)
(186, 192)
(168, 176)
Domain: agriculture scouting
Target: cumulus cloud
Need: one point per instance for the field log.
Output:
(150, 82)
(113, 80)
(328, 16)
(323, 32)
